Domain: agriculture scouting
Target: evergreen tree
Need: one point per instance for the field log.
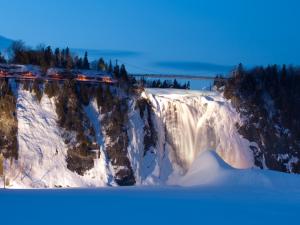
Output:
(86, 64)
(123, 73)
(164, 85)
(69, 60)
(154, 84)
(48, 56)
(110, 69)
(283, 75)
(239, 71)
(63, 58)
(79, 63)
(57, 58)
(158, 84)
(116, 71)
(176, 84)
(101, 65)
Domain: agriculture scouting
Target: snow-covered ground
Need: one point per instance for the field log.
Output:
(229, 196)
(209, 169)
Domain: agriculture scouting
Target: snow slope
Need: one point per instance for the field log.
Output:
(93, 113)
(209, 169)
(146, 167)
(42, 151)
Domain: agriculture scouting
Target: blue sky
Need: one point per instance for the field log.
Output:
(205, 31)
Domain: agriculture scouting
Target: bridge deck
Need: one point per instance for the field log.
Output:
(174, 76)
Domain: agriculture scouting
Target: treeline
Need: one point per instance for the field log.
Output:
(46, 57)
(281, 83)
(165, 84)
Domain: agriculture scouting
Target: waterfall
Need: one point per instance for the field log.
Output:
(191, 122)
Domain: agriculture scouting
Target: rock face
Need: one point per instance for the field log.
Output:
(268, 100)
(8, 121)
(83, 135)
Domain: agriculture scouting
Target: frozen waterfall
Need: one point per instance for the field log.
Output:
(191, 122)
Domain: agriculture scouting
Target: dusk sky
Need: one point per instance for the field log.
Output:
(215, 31)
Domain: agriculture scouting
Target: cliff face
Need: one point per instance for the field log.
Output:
(8, 121)
(267, 100)
(79, 135)
(83, 135)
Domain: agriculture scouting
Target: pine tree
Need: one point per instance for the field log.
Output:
(57, 58)
(110, 69)
(176, 84)
(63, 58)
(48, 56)
(164, 85)
(101, 65)
(79, 63)
(116, 71)
(123, 73)
(283, 75)
(239, 71)
(86, 64)
(158, 84)
(69, 60)
(154, 84)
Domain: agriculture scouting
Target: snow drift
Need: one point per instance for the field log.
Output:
(209, 169)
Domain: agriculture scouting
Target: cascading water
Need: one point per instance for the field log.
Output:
(191, 122)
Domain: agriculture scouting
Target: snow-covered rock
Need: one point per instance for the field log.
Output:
(188, 125)
(42, 151)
